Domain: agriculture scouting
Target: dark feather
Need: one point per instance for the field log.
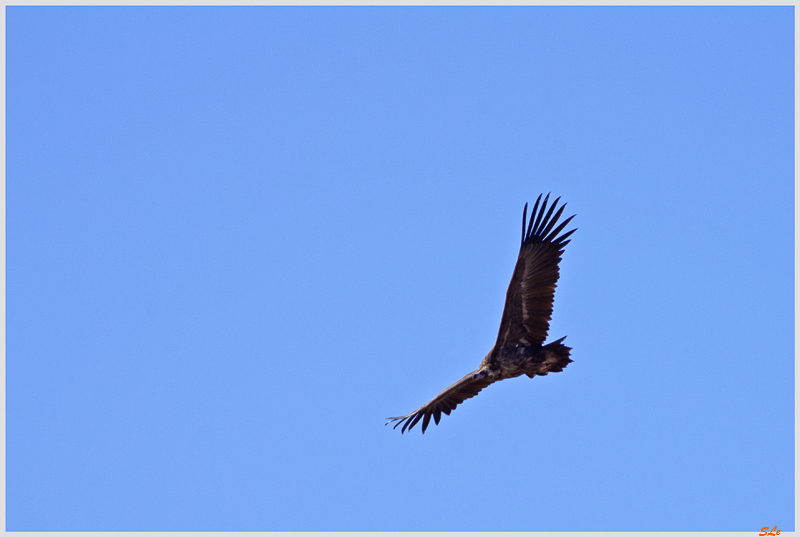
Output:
(529, 299)
(446, 401)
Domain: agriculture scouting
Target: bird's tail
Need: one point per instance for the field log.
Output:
(556, 358)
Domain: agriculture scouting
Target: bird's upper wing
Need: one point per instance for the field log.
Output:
(446, 401)
(529, 299)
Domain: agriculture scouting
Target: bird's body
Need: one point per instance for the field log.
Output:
(520, 348)
(531, 360)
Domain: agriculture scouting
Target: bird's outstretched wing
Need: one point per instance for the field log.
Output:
(467, 387)
(529, 299)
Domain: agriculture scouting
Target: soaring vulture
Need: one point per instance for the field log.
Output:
(520, 345)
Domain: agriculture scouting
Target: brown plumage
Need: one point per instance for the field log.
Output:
(526, 319)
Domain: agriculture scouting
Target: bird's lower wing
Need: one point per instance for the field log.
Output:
(467, 387)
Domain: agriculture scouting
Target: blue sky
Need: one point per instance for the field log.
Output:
(239, 239)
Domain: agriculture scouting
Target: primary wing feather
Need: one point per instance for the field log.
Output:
(529, 299)
(446, 401)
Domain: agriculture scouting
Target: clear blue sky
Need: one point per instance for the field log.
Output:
(239, 239)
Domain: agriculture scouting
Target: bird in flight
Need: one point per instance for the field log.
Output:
(520, 348)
